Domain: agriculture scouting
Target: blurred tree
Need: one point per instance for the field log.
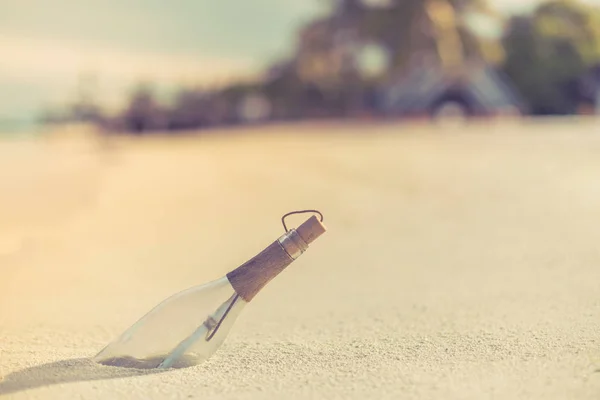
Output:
(409, 27)
(283, 87)
(231, 98)
(330, 49)
(549, 50)
(143, 112)
(190, 110)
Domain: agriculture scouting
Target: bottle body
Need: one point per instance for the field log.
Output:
(188, 327)
(183, 330)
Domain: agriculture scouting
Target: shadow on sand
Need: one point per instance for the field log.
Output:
(65, 371)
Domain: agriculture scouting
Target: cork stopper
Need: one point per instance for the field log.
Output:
(311, 229)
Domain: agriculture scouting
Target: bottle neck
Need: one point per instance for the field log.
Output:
(249, 278)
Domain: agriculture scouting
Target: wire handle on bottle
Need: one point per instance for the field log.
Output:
(299, 212)
(214, 327)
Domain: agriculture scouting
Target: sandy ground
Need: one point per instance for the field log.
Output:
(459, 263)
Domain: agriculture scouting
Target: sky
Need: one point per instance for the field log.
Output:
(47, 46)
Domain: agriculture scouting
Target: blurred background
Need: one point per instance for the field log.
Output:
(144, 66)
(452, 145)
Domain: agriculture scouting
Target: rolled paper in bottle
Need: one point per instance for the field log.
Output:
(249, 278)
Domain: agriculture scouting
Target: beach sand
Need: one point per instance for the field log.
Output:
(459, 263)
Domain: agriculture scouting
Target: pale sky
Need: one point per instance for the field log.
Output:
(46, 44)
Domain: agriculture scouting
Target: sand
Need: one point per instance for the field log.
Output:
(460, 263)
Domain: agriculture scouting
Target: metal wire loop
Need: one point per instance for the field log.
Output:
(299, 212)
(214, 326)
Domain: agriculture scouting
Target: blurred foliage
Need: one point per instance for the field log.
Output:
(403, 28)
(549, 50)
(545, 54)
(143, 112)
